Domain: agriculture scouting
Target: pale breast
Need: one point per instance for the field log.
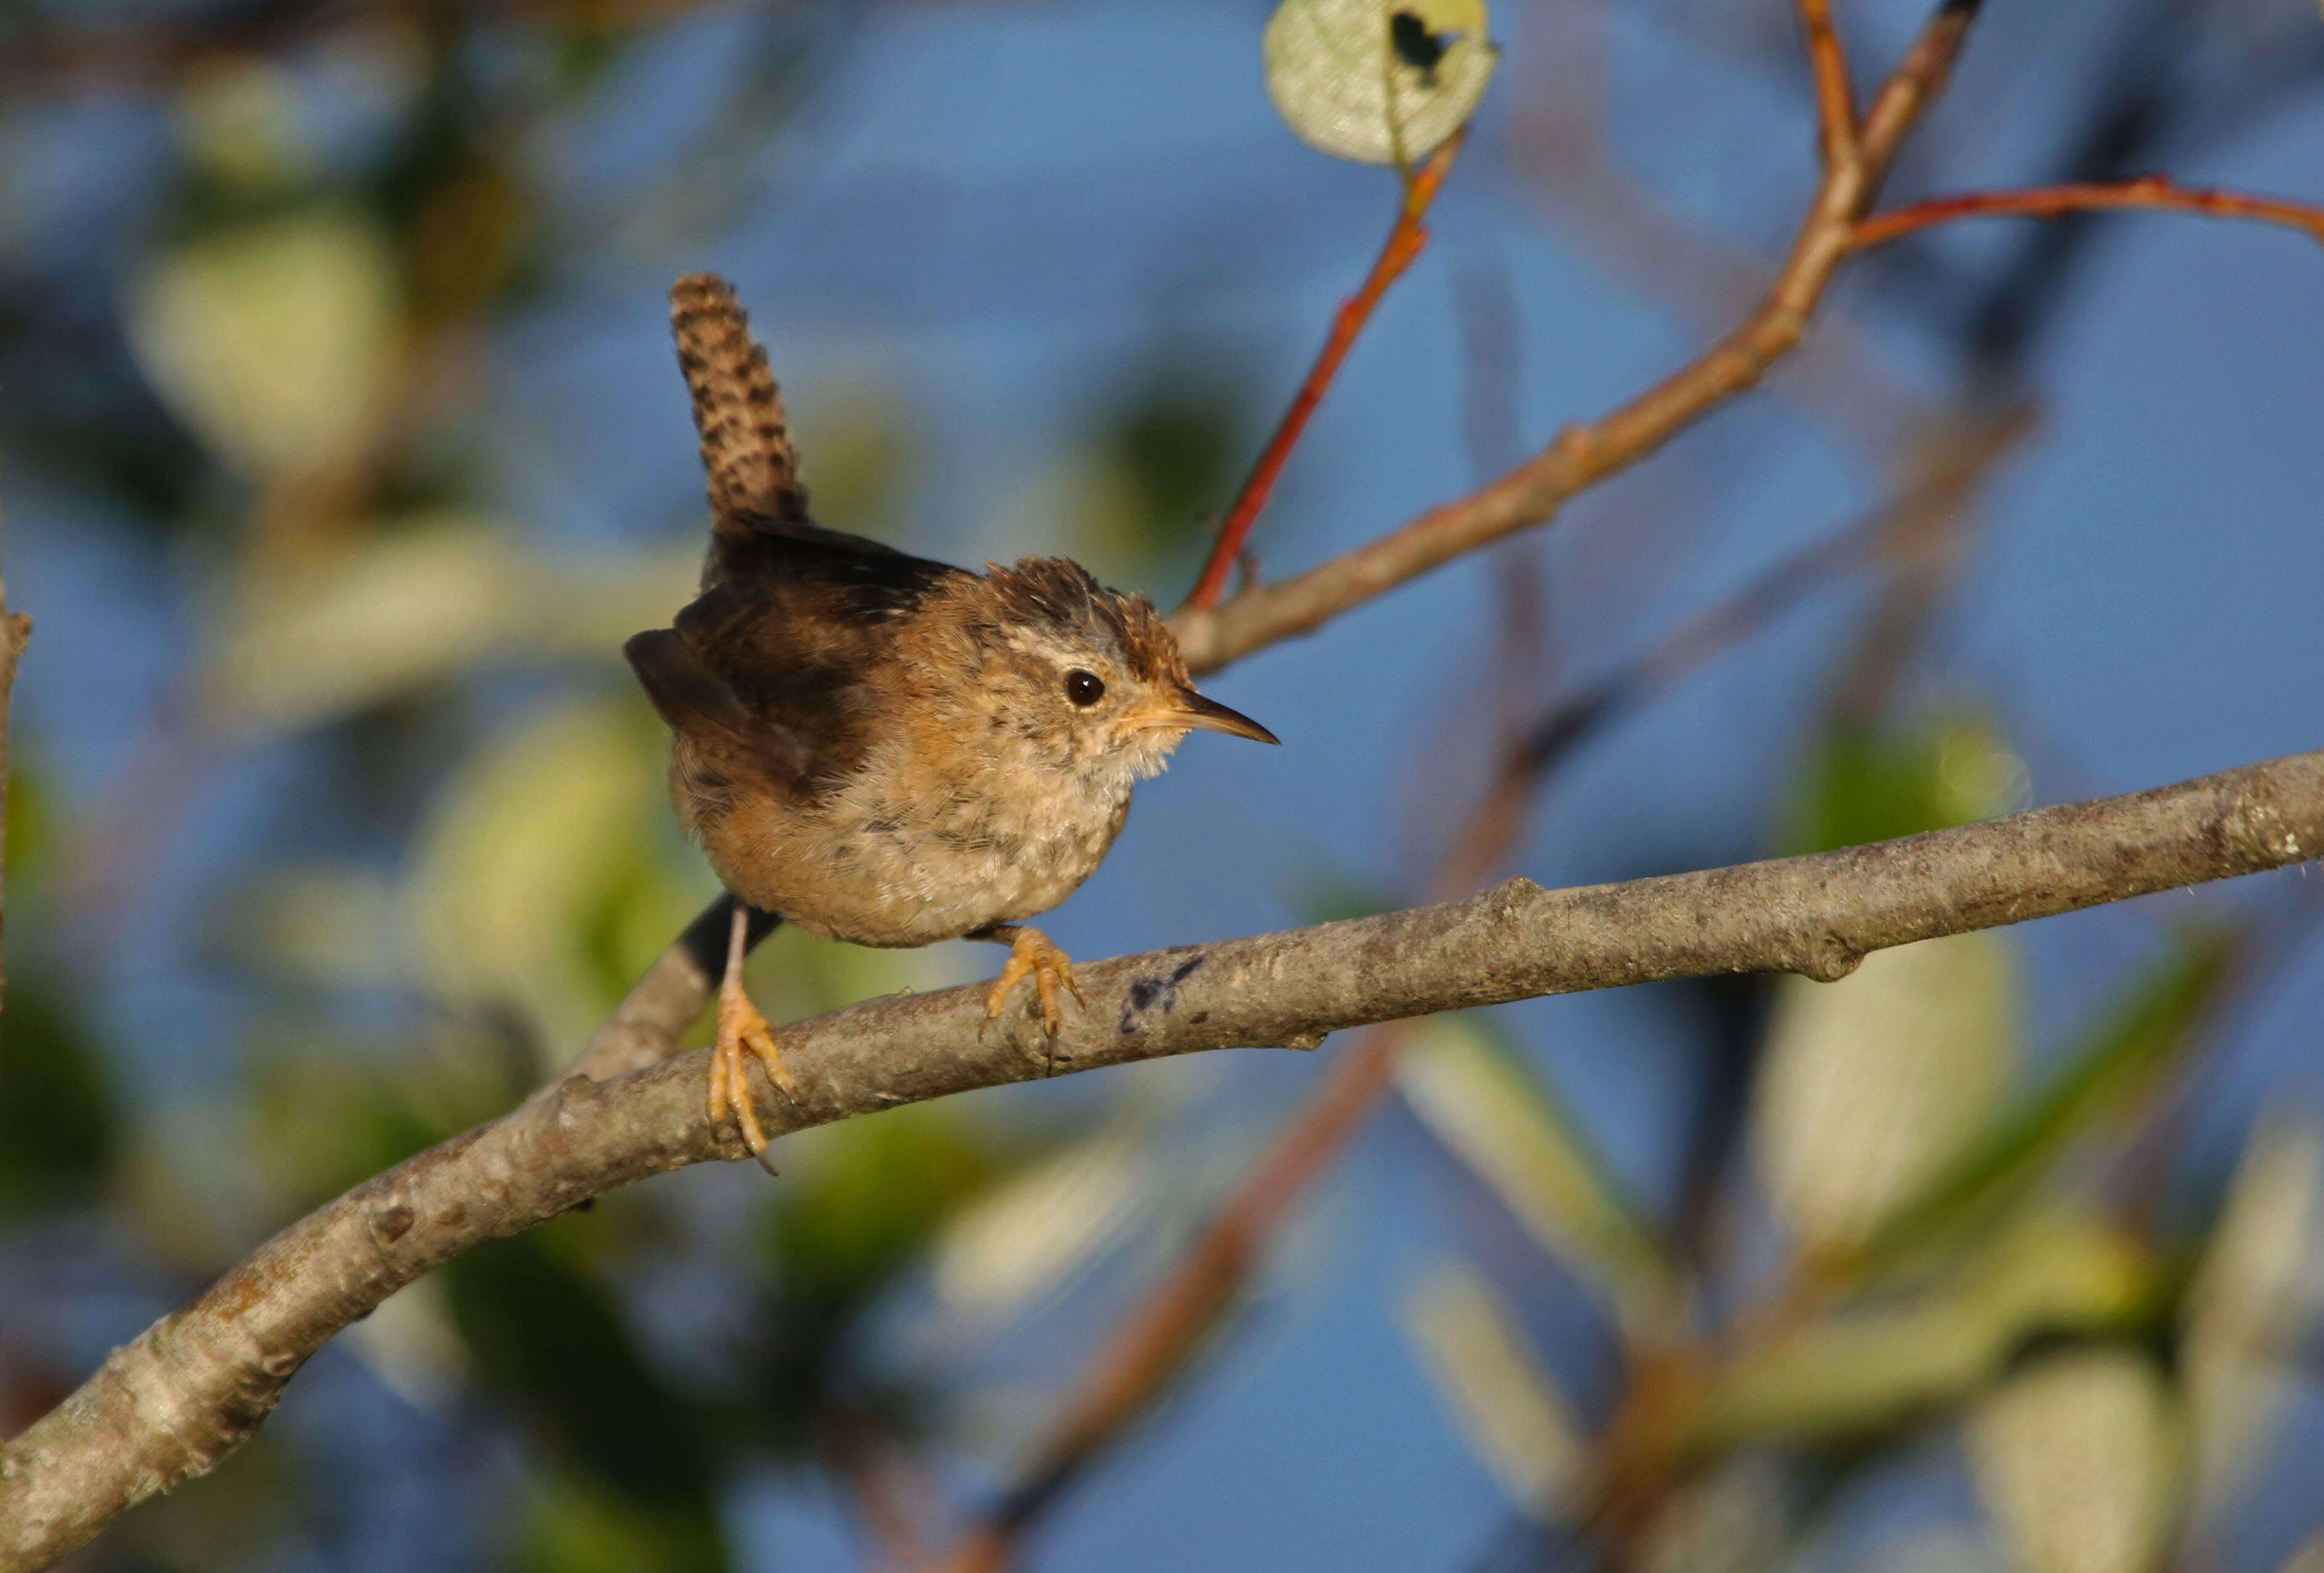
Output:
(902, 857)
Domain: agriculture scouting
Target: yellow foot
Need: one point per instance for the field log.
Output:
(1030, 951)
(741, 1029)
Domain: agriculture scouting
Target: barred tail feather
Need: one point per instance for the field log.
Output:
(738, 409)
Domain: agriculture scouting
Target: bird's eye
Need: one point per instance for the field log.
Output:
(1084, 688)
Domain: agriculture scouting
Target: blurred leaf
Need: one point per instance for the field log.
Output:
(860, 1205)
(2308, 1556)
(317, 1123)
(858, 438)
(240, 1518)
(1859, 1370)
(411, 1344)
(58, 1122)
(274, 340)
(873, 1196)
(1494, 1115)
(238, 118)
(549, 822)
(2254, 1299)
(1378, 82)
(34, 820)
(2080, 1460)
(1327, 895)
(1162, 459)
(1870, 1085)
(1866, 786)
(1027, 1236)
(2115, 1066)
(574, 1525)
(554, 1339)
(1733, 1518)
(1507, 1405)
(323, 925)
(417, 604)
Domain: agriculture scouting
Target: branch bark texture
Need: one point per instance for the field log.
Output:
(172, 1402)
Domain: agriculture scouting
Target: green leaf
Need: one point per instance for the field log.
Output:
(860, 1204)
(274, 340)
(421, 599)
(1868, 1087)
(1497, 1117)
(2080, 1460)
(1378, 82)
(2117, 1062)
(409, 607)
(875, 1192)
(525, 848)
(572, 1524)
(2250, 1305)
(1861, 1369)
(58, 1123)
(1865, 786)
(1516, 1419)
(554, 1339)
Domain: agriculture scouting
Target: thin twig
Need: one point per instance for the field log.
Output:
(2156, 192)
(1835, 101)
(1581, 456)
(1405, 241)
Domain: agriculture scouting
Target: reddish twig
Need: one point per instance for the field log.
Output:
(1582, 455)
(1835, 103)
(2158, 192)
(1404, 243)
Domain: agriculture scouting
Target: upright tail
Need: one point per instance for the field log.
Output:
(746, 447)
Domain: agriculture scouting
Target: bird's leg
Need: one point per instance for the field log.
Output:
(1030, 951)
(740, 1027)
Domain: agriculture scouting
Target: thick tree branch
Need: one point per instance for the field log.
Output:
(188, 1390)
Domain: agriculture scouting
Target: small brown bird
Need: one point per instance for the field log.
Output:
(876, 747)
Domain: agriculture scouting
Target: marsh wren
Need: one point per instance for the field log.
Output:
(879, 748)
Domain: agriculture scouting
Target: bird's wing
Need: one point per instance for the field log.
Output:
(777, 660)
(782, 658)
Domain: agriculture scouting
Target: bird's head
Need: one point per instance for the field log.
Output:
(1094, 673)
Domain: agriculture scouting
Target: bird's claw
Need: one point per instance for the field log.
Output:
(742, 1029)
(1030, 951)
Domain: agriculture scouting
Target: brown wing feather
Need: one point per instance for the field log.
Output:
(800, 638)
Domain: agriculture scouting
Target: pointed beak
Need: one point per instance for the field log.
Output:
(1193, 710)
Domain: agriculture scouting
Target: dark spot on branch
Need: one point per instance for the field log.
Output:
(1160, 990)
(391, 1224)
